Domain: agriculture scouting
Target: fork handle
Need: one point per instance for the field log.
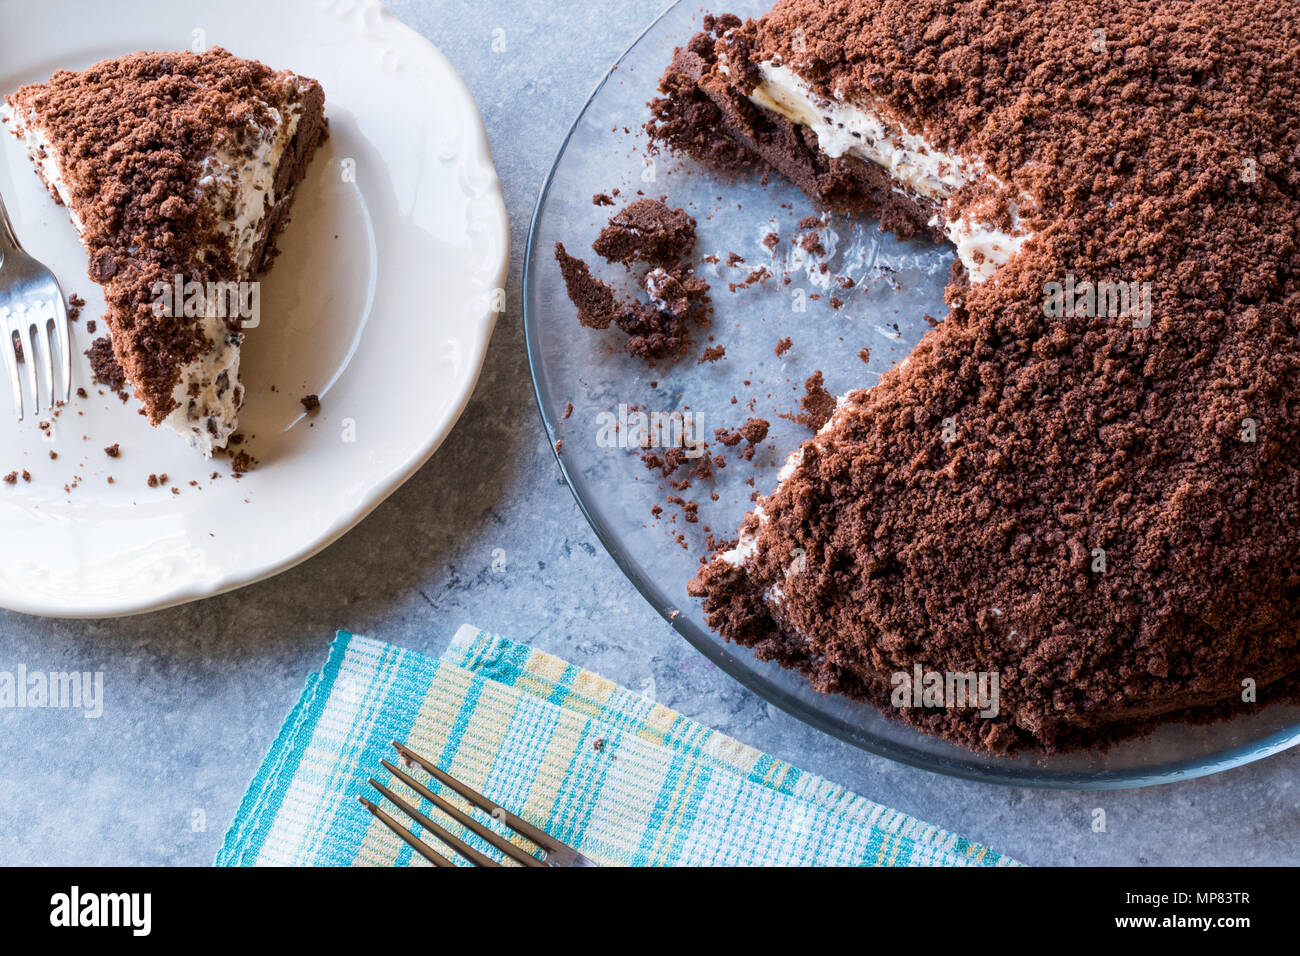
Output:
(8, 241)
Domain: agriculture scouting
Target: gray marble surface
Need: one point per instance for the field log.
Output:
(195, 695)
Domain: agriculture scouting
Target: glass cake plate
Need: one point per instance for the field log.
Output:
(897, 285)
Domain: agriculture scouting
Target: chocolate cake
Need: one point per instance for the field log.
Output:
(178, 170)
(1086, 479)
(647, 231)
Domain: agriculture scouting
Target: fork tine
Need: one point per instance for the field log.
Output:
(10, 358)
(437, 859)
(457, 844)
(30, 352)
(64, 339)
(545, 841)
(47, 353)
(517, 854)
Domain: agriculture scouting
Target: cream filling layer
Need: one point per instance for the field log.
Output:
(848, 129)
(43, 156)
(241, 185)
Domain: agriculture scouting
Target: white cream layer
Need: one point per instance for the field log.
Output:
(844, 128)
(42, 154)
(243, 186)
(208, 394)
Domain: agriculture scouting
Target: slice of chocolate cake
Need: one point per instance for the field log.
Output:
(178, 170)
(1086, 480)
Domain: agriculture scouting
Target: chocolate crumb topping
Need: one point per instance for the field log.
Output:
(817, 403)
(1103, 509)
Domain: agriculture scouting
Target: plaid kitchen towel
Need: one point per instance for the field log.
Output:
(624, 780)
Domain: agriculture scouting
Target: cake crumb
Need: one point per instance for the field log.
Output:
(647, 230)
(103, 365)
(752, 432)
(653, 333)
(817, 403)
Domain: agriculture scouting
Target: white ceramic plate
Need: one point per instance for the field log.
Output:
(382, 303)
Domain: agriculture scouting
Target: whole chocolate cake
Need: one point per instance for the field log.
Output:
(1086, 479)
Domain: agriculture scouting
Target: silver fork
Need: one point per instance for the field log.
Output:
(31, 302)
(555, 853)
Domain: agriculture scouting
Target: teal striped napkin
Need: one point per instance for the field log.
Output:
(624, 780)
